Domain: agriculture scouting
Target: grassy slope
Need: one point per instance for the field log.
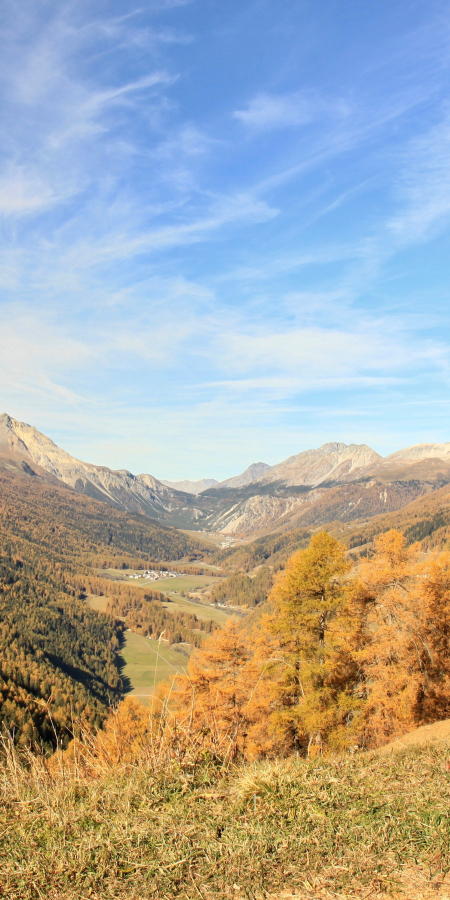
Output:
(349, 827)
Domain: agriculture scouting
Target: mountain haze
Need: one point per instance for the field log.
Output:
(251, 474)
(191, 487)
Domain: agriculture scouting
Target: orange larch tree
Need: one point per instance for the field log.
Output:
(212, 698)
(312, 668)
(394, 657)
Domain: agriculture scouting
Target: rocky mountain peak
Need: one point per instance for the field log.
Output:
(420, 451)
(334, 461)
(253, 473)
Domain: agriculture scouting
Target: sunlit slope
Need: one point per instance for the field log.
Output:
(426, 519)
(53, 519)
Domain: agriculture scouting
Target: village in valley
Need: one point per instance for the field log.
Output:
(152, 575)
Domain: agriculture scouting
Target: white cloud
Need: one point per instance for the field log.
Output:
(223, 212)
(314, 356)
(269, 111)
(25, 192)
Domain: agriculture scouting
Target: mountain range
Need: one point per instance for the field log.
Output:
(336, 482)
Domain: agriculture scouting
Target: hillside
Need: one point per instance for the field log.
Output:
(348, 827)
(273, 550)
(74, 528)
(58, 659)
(426, 519)
(54, 649)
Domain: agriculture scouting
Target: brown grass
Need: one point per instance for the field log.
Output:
(179, 826)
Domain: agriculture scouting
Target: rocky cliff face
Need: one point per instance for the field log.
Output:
(135, 493)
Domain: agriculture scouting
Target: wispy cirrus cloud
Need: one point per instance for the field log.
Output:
(186, 270)
(423, 188)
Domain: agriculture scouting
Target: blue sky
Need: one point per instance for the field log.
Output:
(225, 227)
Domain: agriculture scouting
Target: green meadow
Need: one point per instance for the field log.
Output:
(186, 583)
(147, 662)
(207, 613)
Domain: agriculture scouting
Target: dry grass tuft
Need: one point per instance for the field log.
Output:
(347, 827)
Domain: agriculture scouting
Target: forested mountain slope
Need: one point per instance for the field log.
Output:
(273, 550)
(75, 528)
(426, 520)
(57, 657)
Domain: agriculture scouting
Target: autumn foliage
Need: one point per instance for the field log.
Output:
(346, 658)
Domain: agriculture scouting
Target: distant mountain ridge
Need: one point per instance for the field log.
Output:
(336, 482)
(191, 487)
(331, 462)
(251, 474)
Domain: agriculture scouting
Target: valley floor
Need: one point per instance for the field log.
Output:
(146, 661)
